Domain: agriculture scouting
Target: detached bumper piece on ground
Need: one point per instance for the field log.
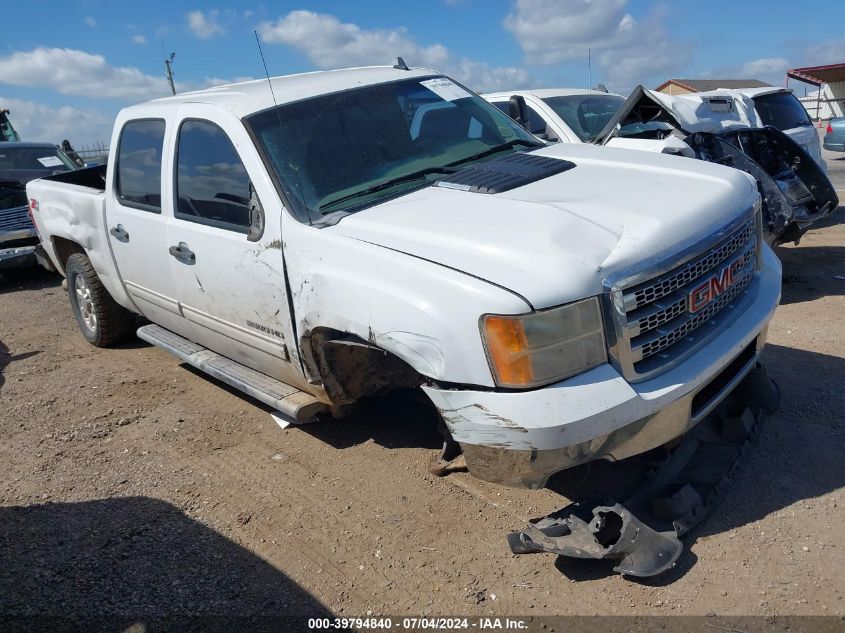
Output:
(643, 533)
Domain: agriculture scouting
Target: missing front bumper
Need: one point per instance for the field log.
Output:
(642, 534)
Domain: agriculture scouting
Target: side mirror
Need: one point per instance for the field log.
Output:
(256, 216)
(518, 111)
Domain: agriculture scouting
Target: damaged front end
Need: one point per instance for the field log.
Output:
(796, 192)
(724, 129)
(613, 533)
(679, 488)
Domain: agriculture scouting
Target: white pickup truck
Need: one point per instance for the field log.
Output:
(357, 231)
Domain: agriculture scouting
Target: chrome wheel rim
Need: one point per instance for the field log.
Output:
(85, 302)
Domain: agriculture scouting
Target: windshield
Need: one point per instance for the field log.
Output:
(782, 110)
(347, 150)
(586, 115)
(44, 159)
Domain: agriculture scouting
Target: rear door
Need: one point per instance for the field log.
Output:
(135, 221)
(231, 286)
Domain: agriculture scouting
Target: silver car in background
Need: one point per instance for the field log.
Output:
(834, 139)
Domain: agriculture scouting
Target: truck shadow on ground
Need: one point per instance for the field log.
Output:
(810, 272)
(6, 358)
(111, 563)
(30, 278)
(401, 419)
(796, 459)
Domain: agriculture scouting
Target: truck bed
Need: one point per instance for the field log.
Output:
(92, 177)
(71, 209)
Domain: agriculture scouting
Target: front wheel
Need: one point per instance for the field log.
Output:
(103, 322)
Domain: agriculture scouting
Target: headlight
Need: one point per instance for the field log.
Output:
(542, 347)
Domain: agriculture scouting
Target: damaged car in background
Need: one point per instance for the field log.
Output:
(386, 228)
(763, 131)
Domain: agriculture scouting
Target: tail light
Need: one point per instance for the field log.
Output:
(31, 209)
(829, 129)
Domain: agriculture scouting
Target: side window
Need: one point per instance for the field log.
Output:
(138, 181)
(212, 186)
(504, 106)
(536, 123)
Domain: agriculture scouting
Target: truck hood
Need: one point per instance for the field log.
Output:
(557, 239)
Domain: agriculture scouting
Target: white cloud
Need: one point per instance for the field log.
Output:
(37, 122)
(625, 51)
(830, 52)
(139, 39)
(75, 72)
(330, 43)
(204, 26)
(211, 82)
(554, 31)
(90, 21)
(772, 70)
(765, 66)
(482, 77)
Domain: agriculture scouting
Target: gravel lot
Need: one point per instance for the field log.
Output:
(132, 484)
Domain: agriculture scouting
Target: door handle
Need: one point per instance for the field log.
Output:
(183, 254)
(119, 233)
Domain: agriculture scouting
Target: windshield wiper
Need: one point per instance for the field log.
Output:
(387, 184)
(496, 149)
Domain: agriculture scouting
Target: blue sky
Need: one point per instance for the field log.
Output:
(67, 77)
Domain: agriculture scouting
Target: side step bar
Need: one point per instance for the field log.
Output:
(283, 397)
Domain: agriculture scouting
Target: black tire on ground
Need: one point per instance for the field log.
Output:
(103, 322)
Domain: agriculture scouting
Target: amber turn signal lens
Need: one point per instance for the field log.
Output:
(508, 350)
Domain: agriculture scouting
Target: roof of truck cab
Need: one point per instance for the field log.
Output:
(249, 97)
(545, 93)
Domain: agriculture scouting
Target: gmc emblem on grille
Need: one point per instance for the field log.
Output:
(710, 289)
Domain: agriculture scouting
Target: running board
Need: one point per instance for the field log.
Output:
(281, 396)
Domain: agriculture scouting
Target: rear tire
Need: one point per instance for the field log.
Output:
(102, 321)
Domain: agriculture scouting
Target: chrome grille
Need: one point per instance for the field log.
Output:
(658, 343)
(15, 219)
(655, 325)
(655, 289)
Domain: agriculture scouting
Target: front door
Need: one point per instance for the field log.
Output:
(231, 285)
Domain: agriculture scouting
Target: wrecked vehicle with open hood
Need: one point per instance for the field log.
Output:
(384, 228)
(727, 127)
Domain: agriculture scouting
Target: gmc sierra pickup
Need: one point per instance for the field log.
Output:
(318, 238)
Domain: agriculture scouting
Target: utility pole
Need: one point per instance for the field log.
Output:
(167, 62)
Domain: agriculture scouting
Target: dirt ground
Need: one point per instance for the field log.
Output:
(131, 483)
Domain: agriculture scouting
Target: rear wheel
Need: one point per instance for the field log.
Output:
(103, 322)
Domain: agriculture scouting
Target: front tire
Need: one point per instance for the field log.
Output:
(102, 321)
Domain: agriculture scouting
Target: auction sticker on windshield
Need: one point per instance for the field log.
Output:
(445, 89)
(50, 161)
